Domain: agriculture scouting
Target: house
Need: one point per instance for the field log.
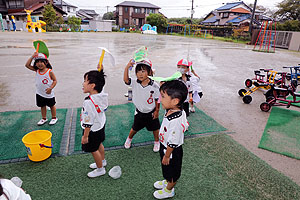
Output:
(235, 14)
(87, 15)
(66, 7)
(16, 8)
(134, 14)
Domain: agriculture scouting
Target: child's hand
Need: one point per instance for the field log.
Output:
(155, 114)
(35, 54)
(165, 160)
(84, 140)
(48, 90)
(130, 63)
(98, 67)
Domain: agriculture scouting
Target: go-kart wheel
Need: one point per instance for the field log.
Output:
(265, 106)
(269, 93)
(242, 92)
(247, 99)
(248, 83)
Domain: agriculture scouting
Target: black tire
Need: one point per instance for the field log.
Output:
(247, 99)
(265, 107)
(269, 93)
(248, 83)
(241, 91)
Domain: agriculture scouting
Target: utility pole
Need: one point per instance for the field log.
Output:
(107, 8)
(192, 11)
(252, 16)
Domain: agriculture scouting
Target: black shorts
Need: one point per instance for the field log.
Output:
(186, 108)
(142, 120)
(95, 139)
(172, 171)
(42, 101)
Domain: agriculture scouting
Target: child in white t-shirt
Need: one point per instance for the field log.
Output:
(197, 90)
(145, 94)
(93, 120)
(45, 82)
(171, 136)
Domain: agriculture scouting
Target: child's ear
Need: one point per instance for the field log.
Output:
(93, 85)
(175, 101)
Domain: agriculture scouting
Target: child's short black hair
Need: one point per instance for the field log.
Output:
(175, 89)
(96, 77)
(141, 66)
(46, 62)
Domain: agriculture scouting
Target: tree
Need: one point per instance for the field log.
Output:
(108, 16)
(49, 15)
(288, 10)
(157, 20)
(74, 23)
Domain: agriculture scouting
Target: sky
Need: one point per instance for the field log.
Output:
(170, 8)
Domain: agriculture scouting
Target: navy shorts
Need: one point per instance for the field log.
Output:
(95, 139)
(172, 171)
(142, 120)
(42, 101)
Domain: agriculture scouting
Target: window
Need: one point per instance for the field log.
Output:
(137, 10)
(126, 9)
(145, 9)
(225, 15)
(148, 10)
(68, 9)
(126, 21)
(15, 4)
(134, 21)
(152, 10)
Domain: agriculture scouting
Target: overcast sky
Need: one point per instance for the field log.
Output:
(170, 8)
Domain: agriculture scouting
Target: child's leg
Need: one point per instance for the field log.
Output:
(44, 112)
(101, 150)
(53, 112)
(155, 134)
(132, 133)
(98, 158)
(171, 185)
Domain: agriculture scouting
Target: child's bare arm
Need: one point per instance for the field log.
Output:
(193, 71)
(85, 137)
(28, 63)
(53, 77)
(156, 112)
(126, 73)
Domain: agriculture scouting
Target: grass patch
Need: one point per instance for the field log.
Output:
(214, 167)
(119, 119)
(14, 125)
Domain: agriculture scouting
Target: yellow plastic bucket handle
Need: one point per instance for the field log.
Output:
(42, 145)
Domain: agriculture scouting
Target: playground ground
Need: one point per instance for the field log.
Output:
(223, 68)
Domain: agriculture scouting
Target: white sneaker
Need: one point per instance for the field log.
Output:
(163, 194)
(127, 143)
(94, 165)
(160, 184)
(42, 122)
(192, 109)
(156, 146)
(96, 172)
(53, 121)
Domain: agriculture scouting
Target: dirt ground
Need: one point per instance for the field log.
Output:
(222, 66)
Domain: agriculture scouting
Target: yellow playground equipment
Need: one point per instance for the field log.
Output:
(34, 25)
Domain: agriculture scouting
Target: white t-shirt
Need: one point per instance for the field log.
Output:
(90, 117)
(143, 97)
(195, 83)
(42, 82)
(172, 129)
(12, 191)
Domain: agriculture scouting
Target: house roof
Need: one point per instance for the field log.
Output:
(228, 6)
(89, 12)
(211, 13)
(239, 19)
(59, 2)
(240, 10)
(137, 4)
(211, 20)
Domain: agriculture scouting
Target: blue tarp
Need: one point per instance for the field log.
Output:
(239, 19)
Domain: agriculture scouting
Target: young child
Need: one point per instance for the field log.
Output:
(197, 90)
(183, 68)
(171, 135)
(8, 190)
(93, 120)
(45, 82)
(145, 94)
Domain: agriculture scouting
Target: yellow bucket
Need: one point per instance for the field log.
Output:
(38, 145)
